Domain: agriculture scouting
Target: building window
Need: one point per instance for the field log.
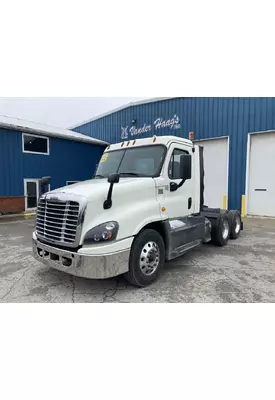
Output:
(35, 144)
(71, 182)
(174, 165)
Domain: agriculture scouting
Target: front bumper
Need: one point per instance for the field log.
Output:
(85, 266)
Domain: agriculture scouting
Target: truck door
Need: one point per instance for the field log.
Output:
(179, 203)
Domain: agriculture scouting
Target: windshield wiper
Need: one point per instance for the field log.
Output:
(122, 174)
(100, 176)
(131, 174)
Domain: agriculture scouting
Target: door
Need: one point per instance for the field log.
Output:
(261, 181)
(184, 229)
(31, 194)
(215, 155)
(178, 203)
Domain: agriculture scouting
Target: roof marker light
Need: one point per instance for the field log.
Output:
(154, 139)
(128, 143)
(122, 144)
(134, 142)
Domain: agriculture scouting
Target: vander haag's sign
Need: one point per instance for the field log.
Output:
(158, 124)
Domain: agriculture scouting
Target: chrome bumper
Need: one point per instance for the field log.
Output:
(92, 267)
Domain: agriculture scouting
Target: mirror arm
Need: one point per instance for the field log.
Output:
(181, 183)
(174, 186)
(112, 179)
(108, 203)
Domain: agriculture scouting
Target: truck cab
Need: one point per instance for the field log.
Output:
(144, 206)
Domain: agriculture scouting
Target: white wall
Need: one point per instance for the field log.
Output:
(261, 175)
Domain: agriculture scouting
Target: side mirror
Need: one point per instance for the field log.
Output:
(186, 167)
(185, 172)
(113, 178)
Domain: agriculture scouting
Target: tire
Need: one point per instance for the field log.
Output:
(147, 258)
(235, 224)
(221, 230)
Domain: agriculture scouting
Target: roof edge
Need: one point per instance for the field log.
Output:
(54, 133)
(128, 105)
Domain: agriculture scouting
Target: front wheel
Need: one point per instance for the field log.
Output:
(147, 258)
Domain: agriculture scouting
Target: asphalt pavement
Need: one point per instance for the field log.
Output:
(243, 271)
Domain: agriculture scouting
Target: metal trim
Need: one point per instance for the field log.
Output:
(65, 197)
(86, 266)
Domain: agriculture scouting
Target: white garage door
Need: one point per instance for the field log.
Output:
(216, 171)
(261, 178)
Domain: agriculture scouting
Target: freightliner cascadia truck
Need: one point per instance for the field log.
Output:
(144, 206)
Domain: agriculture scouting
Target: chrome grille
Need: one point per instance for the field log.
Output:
(57, 221)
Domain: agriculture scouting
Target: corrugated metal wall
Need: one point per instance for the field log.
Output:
(68, 161)
(207, 117)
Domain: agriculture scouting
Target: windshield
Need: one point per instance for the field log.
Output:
(139, 161)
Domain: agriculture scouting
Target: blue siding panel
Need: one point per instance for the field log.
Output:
(207, 117)
(68, 161)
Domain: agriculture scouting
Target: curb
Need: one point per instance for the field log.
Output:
(11, 217)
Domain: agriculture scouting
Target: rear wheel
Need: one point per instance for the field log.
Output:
(235, 224)
(221, 230)
(146, 259)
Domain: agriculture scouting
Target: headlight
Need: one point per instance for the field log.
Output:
(102, 233)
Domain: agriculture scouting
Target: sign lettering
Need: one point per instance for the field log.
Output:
(159, 123)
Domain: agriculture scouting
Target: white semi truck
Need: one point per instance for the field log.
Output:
(145, 205)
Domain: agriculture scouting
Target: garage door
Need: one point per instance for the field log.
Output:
(261, 178)
(216, 171)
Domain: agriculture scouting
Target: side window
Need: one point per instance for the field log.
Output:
(174, 165)
(35, 144)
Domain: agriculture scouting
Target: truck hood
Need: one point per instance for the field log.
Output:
(134, 204)
(96, 188)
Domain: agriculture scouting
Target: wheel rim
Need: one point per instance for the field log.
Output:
(225, 230)
(149, 258)
(238, 225)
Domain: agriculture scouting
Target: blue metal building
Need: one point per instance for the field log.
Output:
(29, 152)
(235, 119)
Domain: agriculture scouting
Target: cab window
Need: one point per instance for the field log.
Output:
(174, 165)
